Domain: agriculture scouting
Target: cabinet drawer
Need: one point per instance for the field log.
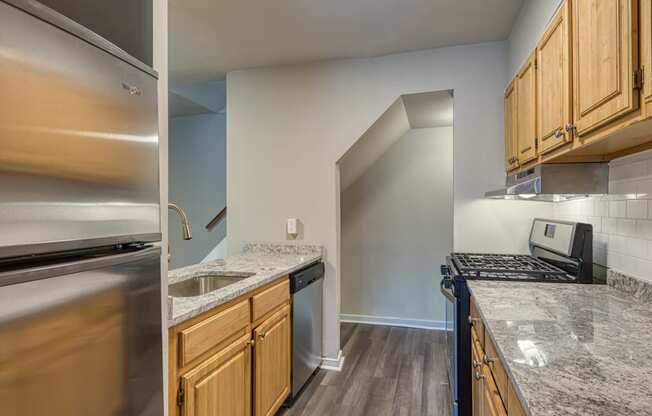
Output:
(267, 300)
(496, 367)
(476, 322)
(203, 336)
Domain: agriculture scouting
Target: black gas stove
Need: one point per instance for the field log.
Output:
(560, 252)
(506, 267)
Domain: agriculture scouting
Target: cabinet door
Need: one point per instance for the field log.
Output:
(526, 128)
(605, 55)
(554, 83)
(220, 385)
(476, 378)
(511, 152)
(272, 362)
(492, 404)
(646, 51)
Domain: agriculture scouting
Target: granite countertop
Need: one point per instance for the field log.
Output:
(573, 349)
(268, 261)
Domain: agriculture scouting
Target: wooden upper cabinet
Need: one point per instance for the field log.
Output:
(272, 363)
(221, 385)
(554, 83)
(511, 146)
(605, 56)
(526, 111)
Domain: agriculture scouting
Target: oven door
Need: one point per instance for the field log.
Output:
(447, 289)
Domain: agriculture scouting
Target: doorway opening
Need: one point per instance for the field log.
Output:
(396, 214)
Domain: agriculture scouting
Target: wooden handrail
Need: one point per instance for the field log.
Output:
(216, 220)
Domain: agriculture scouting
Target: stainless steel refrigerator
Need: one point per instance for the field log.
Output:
(80, 281)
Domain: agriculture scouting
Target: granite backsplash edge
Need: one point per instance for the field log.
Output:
(639, 289)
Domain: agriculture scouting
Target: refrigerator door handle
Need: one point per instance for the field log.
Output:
(70, 267)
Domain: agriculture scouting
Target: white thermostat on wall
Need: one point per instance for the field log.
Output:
(292, 226)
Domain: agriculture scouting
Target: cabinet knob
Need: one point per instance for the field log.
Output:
(488, 360)
(570, 127)
(262, 335)
(476, 364)
(478, 376)
(252, 343)
(559, 133)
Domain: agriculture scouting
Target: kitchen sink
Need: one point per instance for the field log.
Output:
(200, 285)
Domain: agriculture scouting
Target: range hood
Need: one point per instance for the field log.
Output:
(555, 182)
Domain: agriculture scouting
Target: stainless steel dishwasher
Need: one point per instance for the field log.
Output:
(306, 287)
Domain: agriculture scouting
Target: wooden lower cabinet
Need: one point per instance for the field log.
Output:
(492, 404)
(226, 363)
(492, 392)
(220, 385)
(272, 363)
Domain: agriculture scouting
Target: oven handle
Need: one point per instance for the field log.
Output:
(446, 284)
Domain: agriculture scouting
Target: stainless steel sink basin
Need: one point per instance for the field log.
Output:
(201, 285)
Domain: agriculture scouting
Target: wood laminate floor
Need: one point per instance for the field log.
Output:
(388, 371)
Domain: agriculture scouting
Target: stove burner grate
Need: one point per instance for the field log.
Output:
(492, 265)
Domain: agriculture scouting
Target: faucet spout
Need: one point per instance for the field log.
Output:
(186, 230)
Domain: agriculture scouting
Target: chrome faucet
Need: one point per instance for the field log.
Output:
(186, 231)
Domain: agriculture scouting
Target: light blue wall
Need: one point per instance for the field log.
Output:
(197, 179)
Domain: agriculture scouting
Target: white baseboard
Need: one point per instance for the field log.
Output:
(391, 321)
(333, 364)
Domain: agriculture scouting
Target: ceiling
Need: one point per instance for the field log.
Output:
(208, 38)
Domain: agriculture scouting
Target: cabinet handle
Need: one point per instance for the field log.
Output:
(478, 376)
(558, 133)
(488, 360)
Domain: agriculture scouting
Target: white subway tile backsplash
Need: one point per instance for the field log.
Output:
(617, 209)
(633, 170)
(622, 189)
(644, 228)
(600, 208)
(609, 225)
(618, 243)
(637, 248)
(637, 208)
(644, 188)
(626, 227)
(622, 220)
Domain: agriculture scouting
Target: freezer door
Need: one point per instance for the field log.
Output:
(78, 142)
(83, 338)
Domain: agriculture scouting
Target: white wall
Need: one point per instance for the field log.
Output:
(397, 228)
(385, 131)
(287, 126)
(530, 24)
